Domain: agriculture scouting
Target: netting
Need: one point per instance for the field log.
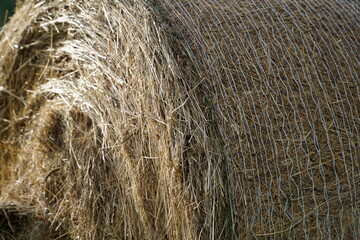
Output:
(290, 115)
(184, 119)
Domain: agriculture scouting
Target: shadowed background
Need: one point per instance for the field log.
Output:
(6, 5)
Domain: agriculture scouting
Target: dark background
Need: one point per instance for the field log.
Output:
(6, 5)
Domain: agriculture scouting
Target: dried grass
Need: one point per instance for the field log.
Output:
(16, 219)
(183, 119)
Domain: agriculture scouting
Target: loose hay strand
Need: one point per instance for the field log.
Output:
(182, 119)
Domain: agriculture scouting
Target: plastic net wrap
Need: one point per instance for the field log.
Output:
(183, 119)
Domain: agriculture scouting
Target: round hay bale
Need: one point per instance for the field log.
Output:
(183, 119)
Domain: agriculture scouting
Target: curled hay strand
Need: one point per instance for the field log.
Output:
(182, 119)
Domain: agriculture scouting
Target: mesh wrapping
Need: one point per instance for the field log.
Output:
(183, 119)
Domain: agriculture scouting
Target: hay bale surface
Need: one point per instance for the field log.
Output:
(183, 119)
(15, 220)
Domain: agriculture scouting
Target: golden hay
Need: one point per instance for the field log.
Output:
(206, 119)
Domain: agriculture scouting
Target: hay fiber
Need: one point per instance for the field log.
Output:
(180, 119)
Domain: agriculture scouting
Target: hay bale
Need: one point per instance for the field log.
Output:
(15, 221)
(183, 119)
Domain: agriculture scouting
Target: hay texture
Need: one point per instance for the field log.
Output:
(16, 219)
(207, 119)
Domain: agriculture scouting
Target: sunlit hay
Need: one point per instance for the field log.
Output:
(183, 119)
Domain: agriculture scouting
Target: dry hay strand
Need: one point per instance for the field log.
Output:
(183, 119)
(16, 219)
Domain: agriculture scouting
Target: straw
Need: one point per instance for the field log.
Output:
(182, 119)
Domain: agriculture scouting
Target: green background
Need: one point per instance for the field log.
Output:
(6, 5)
